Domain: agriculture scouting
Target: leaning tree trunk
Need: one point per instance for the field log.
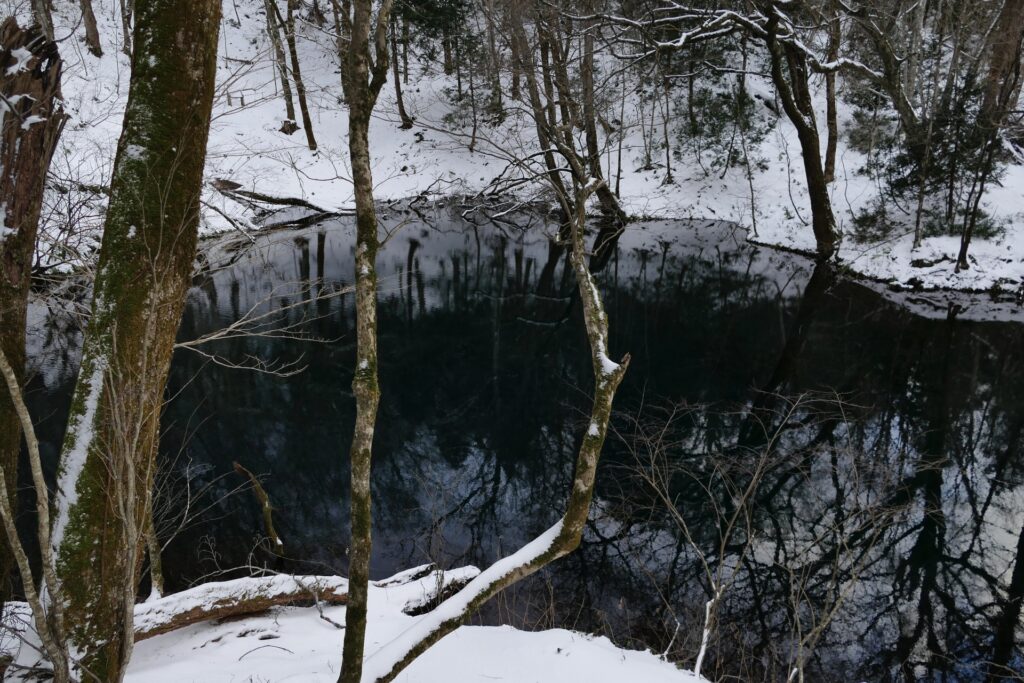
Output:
(406, 120)
(609, 203)
(362, 80)
(41, 14)
(300, 86)
(796, 101)
(1002, 89)
(832, 112)
(28, 135)
(564, 536)
(143, 273)
(282, 65)
(92, 33)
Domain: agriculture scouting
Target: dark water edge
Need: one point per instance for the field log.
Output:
(847, 469)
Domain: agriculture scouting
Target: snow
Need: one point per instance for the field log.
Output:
(305, 644)
(5, 231)
(382, 660)
(21, 59)
(31, 121)
(295, 644)
(74, 461)
(134, 152)
(157, 613)
(433, 158)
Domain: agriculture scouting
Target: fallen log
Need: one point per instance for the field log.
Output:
(236, 598)
(248, 596)
(255, 595)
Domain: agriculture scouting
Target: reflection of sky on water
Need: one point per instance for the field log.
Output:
(898, 507)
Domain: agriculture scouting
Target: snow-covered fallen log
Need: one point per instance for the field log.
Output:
(255, 595)
(235, 598)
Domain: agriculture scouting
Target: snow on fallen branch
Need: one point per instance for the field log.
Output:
(252, 595)
(235, 598)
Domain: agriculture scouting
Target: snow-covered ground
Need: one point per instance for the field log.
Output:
(246, 147)
(305, 643)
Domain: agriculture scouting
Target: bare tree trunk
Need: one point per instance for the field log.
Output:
(365, 74)
(127, 9)
(446, 51)
(796, 101)
(1001, 93)
(92, 34)
(493, 62)
(273, 30)
(143, 274)
(669, 180)
(406, 119)
(831, 111)
(405, 50)
(523, 56)
(609, 203)
(156, 565)
(300, 87)
(564, 537)
(41, 14)
(913, 70)
(29, 129)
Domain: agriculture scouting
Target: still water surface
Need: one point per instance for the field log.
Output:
(847, 470)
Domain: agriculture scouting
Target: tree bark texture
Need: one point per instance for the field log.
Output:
(31, 120)
(365, 68)
(145, 261)
(796, 101)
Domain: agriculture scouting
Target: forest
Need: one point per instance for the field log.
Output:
(461, 340)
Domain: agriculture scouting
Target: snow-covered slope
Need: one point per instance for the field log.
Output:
(305, 643)
(247, 147)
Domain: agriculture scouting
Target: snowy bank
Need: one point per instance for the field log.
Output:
(248, 150)
(305, 643)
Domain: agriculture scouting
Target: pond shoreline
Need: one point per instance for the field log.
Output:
(930, 300)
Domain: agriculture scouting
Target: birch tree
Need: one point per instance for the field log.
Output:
(145, 261)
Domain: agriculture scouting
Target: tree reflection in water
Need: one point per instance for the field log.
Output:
(870, 458)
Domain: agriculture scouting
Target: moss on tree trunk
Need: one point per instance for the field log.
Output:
(145, 260)
(362, 79)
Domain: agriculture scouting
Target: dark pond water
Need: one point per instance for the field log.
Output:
(847, 471)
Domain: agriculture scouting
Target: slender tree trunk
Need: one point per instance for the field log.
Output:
(446, 51)
(156, 564)
(669, 180)
(41, 14)
(143, 274)
(523, 56)
(92, 34)
(1001, 92)
(273, 30)
(362, 82)
(564, 537)
(405, 50)
(493, 63)
(796, 101)
(300, 88)
(127, 9)
(912, 73)
(609, 203)
(407, 122)
(831, 111)
(33, 91)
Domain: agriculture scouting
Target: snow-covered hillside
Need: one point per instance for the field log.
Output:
(247, 147)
